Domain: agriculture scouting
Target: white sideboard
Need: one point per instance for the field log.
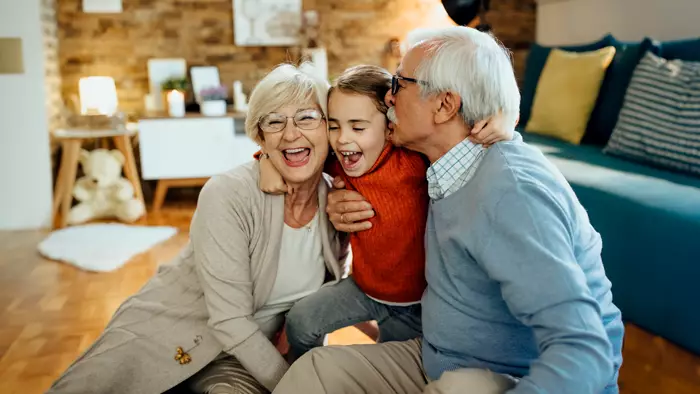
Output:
(187, 151)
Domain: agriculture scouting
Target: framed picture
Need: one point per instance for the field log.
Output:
(266, 22)
(159, 71)
(202, 78)
(102, 6)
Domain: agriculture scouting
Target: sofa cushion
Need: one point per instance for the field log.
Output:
(612, 92)
(659, 122)
(567, 92)
(536, 59)
(649, 220)
(688, 49)
(588, 166)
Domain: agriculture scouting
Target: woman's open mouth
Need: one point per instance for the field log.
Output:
(350, 159)
(296, 157)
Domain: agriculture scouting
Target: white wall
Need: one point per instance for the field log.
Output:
(576, 21)
(25, 169)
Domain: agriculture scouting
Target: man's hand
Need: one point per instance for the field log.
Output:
(478, 381)
(347, 209)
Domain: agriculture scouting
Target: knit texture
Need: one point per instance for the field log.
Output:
(389, 259)
(516, 283)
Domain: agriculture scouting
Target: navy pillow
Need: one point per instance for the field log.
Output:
(688, 50)
(613, 89)
(534, 64)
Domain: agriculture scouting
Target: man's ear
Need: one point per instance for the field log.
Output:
(447, 106)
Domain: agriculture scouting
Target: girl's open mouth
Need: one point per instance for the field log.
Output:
(350, 159)
(296, 157)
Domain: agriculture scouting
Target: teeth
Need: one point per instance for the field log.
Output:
(294, 150)
(348, 153)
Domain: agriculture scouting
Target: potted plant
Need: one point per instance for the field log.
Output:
(213, 101)
(179, 83)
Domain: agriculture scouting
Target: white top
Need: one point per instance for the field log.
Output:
(300, 271)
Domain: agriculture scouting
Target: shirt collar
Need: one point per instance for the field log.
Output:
(451, 166)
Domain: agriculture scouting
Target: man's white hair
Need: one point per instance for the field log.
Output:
(285, 85)
(474, 65)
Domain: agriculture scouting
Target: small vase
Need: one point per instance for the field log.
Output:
(213, 108)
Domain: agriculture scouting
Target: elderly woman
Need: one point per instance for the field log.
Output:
(210, 317)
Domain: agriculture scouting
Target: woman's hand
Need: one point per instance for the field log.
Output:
(270, 179)
(488, 132)
(347, 209)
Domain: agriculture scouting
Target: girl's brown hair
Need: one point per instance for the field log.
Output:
(371, 81)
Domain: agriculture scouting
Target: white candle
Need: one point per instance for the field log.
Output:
(239, 99)
(176, 103)
(237, 88)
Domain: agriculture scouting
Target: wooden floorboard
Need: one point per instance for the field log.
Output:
(50, 312)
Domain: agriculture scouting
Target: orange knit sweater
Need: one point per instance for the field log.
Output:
(388, 260)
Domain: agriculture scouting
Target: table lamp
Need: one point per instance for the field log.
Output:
(98, 96)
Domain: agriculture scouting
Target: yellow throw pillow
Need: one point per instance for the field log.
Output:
(567, 92)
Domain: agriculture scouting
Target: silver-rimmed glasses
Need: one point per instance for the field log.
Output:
(306, 119)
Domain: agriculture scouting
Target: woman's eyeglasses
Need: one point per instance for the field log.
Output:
(395, 82)
(307, 119)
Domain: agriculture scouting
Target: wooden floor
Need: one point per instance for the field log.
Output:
(50, 312)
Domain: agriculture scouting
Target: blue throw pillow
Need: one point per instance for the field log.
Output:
(534, 64)
(688, 50)
(660, 119)
(612, 91)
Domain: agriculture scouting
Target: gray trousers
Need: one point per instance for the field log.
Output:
(386, 368)
(342, 305)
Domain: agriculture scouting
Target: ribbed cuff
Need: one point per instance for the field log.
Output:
(261, 359)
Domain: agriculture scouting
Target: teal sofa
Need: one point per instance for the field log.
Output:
(649, 218)
(649, 221)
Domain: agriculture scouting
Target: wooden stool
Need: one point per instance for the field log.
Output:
(71, 141)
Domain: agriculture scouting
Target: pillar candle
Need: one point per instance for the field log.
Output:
(176, 103)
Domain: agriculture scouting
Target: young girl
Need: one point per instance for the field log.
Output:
(388, 260)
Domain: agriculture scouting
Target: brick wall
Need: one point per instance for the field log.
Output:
(353, 31)
(52, 70)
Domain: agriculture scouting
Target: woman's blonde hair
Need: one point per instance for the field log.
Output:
(285, 85)
(370, 81)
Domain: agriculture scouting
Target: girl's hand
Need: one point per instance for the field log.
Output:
(270, 180)
(488, 132)
(281, 342)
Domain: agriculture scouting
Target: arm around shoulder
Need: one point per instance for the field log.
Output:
(220, 237)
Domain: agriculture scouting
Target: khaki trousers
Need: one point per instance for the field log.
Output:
(391, 367)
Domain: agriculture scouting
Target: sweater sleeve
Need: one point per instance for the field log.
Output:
(220, 239)
(528, 248)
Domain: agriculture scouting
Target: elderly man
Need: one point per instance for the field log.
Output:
(517, 298)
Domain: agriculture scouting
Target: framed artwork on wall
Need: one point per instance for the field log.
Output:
(266, 22)
(102, 6)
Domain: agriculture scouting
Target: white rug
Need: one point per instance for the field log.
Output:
(102, 247)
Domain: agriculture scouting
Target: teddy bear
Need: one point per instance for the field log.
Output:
(102, 192)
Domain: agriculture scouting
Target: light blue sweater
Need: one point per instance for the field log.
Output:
(516, 283)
